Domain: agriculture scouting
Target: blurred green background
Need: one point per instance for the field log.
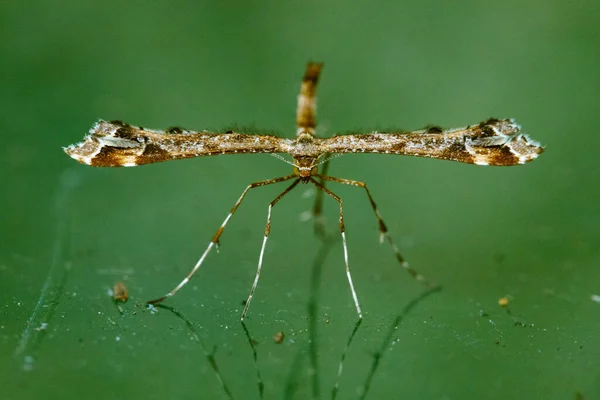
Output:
(69, 232)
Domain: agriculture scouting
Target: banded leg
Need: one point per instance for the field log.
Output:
(217, 236)
(307, 102)
(383, 230)
(343, 232)
(262, 249)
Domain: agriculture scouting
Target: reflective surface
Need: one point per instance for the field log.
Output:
(70, 232)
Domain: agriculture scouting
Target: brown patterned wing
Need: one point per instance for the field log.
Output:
(117, 144)
(493, 142)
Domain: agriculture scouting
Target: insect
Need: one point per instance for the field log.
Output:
(117, 144)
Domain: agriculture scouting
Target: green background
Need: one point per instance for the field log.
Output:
(68, 232)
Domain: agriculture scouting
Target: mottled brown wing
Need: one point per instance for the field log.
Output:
(116, 144)
(493, 142)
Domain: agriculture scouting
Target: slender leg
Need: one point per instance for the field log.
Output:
(262, 249)
(317, 212)
(343, 232)
(217, 236)
(383, 230)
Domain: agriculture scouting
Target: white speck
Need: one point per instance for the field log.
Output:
(152, 309)
(308, 193)
(595, 298)
(118, 338)
(28, 363)
(306, 216)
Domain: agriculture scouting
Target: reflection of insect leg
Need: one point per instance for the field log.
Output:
(343, 232)
(262, 250)
(216, 237)
(383, 230)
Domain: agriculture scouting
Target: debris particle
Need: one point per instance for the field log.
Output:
(43, 326)
(503, 302)
(595, 298)
(278, 337)
(120, 292)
